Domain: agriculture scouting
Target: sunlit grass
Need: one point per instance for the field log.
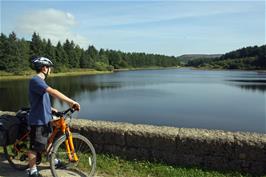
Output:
(29, 74)
(113, 166)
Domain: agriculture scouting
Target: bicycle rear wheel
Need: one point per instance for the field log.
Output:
(17, 155)
(62, 166)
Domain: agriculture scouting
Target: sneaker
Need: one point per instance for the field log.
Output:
(35, 174)
(38, 158)
(27, 171)
(59, 164)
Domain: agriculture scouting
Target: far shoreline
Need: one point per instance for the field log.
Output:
(78, 72)
(220, 69)
(75, 72)
(4, 76)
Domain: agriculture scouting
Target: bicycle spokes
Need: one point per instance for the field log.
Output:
(81, 148)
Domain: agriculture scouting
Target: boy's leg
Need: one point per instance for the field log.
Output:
(33, 172)
(38, 141)
(32, 159)
(32, 152)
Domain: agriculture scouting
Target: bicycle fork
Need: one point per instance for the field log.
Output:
(70, 147)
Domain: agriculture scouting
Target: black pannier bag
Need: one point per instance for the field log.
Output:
(9, 129)
(23, 116)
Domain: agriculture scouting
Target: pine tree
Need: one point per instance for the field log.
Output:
(78, 53)
(60, 58)
(84, 60)
(92, 52)
(50, 51)
(3, 50)
(36, 46)
(24, 54)
(73, 58)
(12, 53)
(68, 49)
(103, 57)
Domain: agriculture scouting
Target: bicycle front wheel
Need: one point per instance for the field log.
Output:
(60, 163)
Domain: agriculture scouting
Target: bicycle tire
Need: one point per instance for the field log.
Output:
(85, 166)
(17, 159)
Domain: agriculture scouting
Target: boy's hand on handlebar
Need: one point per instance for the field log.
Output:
(54, 110)
(75, 105)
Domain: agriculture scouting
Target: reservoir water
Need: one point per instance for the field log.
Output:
(225, 100)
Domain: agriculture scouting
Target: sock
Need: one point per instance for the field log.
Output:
(33, 170)
(56, 161)
(28, 170)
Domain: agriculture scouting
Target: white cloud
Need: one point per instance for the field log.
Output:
(53, 24)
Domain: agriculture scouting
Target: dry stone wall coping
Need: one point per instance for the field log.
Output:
(7, 112)
(248, 138)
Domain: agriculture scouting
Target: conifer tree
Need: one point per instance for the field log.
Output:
(12, 53)
(3, 49)
(36, 46)
(49, 50)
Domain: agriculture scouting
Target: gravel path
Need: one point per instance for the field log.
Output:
(7, 171)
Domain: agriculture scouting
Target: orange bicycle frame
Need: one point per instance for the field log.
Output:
(61, 124)
(57, 125)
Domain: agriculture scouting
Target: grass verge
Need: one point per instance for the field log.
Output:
(114, 166)
(74, 72)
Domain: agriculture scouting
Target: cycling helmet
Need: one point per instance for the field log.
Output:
(39, 62)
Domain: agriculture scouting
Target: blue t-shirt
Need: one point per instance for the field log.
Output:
(40, 112)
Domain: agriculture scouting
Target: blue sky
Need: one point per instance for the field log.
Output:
(163, 27)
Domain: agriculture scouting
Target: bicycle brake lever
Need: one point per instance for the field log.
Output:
(58, 114)
(72, 110)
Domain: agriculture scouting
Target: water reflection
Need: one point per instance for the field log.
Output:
(181, 98)
(73, 86)
(253, 88)
(255, 81)
(14, 94)
(249, 85)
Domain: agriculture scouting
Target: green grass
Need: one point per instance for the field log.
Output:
(114, 166)
(29, 74)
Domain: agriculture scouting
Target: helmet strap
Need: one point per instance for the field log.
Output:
(46, 74)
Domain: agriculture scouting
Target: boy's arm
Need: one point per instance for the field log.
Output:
(55, 93)
(54, 110)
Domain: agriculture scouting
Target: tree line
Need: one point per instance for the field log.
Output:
(16, 55)
(244, 58)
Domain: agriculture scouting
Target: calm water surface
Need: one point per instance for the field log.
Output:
(227, 100)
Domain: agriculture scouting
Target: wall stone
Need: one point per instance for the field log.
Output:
(213, 149)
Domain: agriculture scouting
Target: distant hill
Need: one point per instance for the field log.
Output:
(245, 58)
(245, 52)
(188, 57)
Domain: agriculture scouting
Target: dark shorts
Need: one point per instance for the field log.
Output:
(38, 137)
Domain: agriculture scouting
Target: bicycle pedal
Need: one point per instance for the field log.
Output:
(14, 151)
(60, 165)
(23, 157)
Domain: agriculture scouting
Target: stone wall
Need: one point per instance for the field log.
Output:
(212, 149)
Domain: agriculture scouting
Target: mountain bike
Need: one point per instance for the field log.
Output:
(66, 152)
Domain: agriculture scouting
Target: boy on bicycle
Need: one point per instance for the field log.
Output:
(41, 110)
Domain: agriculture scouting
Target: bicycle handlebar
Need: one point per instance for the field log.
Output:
(63, 113)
